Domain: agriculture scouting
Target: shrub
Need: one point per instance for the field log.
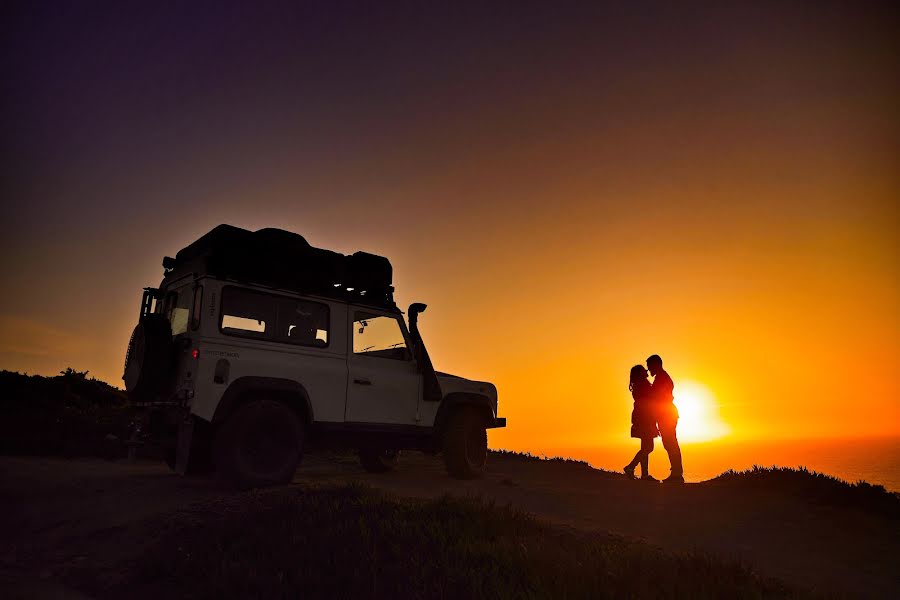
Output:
(816, 488)
(67, 415)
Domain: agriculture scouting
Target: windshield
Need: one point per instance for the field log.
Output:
(378, 335)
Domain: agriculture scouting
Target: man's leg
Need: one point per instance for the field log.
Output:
(670, 443)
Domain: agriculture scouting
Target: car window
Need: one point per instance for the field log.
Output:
(234, 324)
(276, 318)
(179, 309)
(303, 322)
(378, 335)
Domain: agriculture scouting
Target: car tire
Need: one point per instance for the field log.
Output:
(378, 460)
(465, 444)
(260, 445)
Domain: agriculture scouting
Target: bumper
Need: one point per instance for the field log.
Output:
(497, 423)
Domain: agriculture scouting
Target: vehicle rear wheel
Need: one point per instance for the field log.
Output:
(259, 445)
(378, 460)
(465, 444)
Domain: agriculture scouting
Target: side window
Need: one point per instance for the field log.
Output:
(378, 335)
(179, 309)
(304, 323)
(276, 318)
(247, 313)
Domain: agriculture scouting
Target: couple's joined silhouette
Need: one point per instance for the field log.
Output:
(654, 415)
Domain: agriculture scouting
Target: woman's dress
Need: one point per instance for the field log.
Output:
(643, 417)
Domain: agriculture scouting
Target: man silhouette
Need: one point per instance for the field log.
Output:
(666, 416)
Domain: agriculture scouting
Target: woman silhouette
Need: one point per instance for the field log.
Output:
(643, 422)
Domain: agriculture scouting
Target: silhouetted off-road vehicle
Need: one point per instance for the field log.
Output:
(257, 344)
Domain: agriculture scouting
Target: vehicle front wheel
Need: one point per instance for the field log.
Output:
(378, 460)
(259, 445)
(465, 444)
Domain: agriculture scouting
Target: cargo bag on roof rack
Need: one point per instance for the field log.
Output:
(282, 259)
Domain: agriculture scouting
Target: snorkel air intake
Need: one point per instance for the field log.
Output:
(432, 391)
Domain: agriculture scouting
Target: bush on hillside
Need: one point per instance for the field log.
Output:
(529, 457)
(817, 488)
(68, 415)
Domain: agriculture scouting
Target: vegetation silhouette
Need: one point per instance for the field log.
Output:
(66, 415)
(528, 456)
(816, 488)
(449, 547)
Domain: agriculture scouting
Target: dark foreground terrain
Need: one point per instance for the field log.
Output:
(85, 527)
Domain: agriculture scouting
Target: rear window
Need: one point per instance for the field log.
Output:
(258, 315)
(178, 309)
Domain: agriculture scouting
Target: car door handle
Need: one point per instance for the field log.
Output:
(362, 382)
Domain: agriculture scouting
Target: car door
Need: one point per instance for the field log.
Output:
(384, 385)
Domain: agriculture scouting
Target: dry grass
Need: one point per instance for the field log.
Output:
(351, 542)
(817, 488)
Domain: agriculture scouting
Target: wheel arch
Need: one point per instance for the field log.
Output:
(456, 400)
(241, 390)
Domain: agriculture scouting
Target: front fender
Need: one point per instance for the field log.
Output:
(455, 400)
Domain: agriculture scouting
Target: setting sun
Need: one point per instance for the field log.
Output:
(699, 413)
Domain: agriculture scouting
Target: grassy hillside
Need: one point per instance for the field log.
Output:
(352, 542)
(67, 415)
(816, 488)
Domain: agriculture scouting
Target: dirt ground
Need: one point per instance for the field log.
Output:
(58, 514)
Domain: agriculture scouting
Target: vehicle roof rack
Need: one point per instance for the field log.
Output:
(285, 260)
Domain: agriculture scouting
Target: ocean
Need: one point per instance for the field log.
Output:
(875, 460)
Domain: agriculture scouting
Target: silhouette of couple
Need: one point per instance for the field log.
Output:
(654, 415)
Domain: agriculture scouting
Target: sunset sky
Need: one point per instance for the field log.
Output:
(569, 186)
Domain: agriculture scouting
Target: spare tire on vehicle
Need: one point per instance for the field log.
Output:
(149, 359)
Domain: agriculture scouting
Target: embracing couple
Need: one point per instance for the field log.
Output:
(654, 415)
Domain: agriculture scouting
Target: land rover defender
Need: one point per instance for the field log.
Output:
(257, 345)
